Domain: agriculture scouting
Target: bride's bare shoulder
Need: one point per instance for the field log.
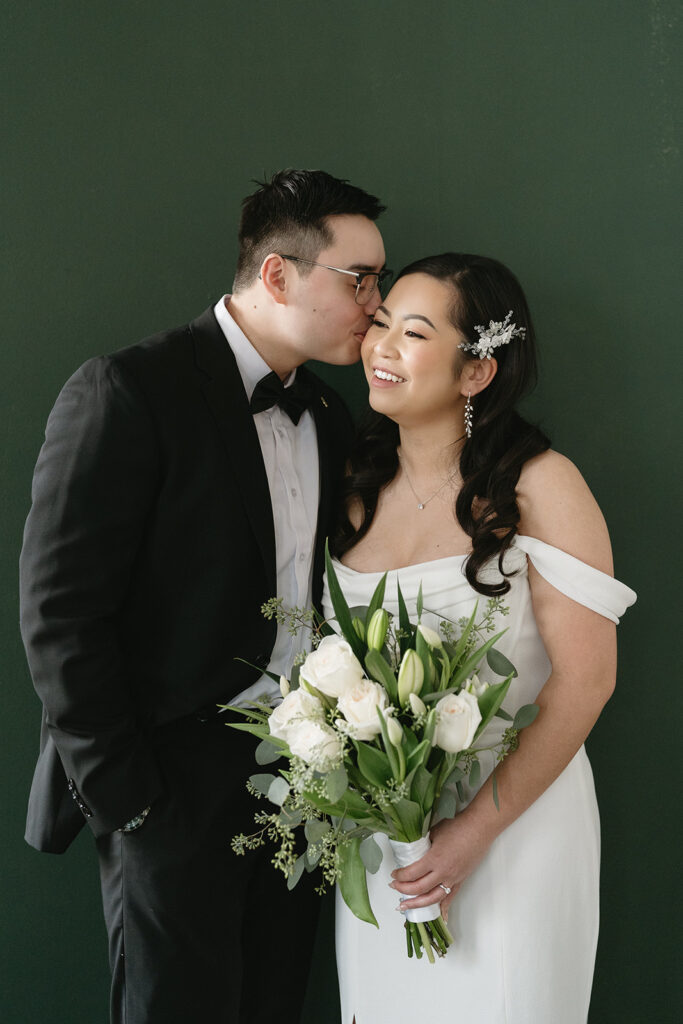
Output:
(556, 506)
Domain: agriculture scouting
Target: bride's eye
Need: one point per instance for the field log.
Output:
(414, 334)
(375, 322)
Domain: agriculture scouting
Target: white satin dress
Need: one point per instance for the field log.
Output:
(525, 922)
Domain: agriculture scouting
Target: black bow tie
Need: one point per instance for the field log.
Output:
(270, 391)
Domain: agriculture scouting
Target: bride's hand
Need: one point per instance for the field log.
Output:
(457, 848)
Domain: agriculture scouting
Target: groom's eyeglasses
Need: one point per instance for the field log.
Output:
(366, 280)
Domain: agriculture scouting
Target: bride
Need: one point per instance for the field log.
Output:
(450, 488)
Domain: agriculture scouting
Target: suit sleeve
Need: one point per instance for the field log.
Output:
(93, 489)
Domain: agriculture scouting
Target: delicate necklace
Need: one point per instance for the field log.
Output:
(421, 504)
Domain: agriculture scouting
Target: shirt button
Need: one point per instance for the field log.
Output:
(302, 558)
(294, 492)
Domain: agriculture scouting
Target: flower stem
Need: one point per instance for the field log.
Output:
(425, 942)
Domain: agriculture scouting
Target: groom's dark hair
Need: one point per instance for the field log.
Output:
(288, 215)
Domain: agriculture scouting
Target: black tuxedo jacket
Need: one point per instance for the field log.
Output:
(148, 551)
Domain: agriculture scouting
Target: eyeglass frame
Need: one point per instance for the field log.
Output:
(381, 275)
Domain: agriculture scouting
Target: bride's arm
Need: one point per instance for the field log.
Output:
(557, 507)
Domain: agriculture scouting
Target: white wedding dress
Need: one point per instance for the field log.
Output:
(525, 922)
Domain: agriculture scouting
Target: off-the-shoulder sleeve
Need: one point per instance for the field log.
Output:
(572, 577)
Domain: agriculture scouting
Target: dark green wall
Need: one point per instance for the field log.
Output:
(539, 132)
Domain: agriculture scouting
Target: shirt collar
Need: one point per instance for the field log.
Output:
(251, 365)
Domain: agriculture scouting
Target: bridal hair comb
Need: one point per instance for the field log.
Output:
(493, 336)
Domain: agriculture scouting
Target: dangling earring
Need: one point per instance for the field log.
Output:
(468, 415)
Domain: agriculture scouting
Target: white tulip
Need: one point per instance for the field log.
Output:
(476, 687)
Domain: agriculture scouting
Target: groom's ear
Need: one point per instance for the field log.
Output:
(476, 375)
(274, 277)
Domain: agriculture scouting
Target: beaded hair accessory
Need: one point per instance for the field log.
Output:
(493, 336)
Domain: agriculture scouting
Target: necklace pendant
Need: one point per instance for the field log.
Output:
(420, 506)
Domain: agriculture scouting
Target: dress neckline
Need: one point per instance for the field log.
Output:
(402, 568)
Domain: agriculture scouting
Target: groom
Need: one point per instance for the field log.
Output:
(184, 481)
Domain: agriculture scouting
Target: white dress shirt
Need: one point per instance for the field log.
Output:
(290, 455)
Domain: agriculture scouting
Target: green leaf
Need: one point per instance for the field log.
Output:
(410, 817)
(353, 883)
(262, 783)
(350, 806)
(495, 791)
(278, 791)
(336, 783)
(502, 713)
(418, 755)
(475, 773)
(525, 716)
(419, 602)
(290, 818)
(501, 665)
(373, 764)
(341, 608)
(392, 752)
(422, 789)
(314, 829)
(376, 599)
(403, 620)
(262, 731)
(490, 701)
(468, 667)
(267, 752)
(371, 854)
(380, 670)
(461, 645)
(296, 873)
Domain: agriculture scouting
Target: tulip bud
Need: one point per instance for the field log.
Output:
(431, 636)
(410, 676)
(359, 628)
(476, 687)
(417, 705)
(284, 686)
(377, 630)
(395, 731)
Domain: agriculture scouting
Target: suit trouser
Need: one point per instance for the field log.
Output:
(197, 933)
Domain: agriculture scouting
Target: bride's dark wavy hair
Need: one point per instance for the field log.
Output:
(501, 442)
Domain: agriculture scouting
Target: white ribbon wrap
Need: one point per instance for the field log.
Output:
(408, 853)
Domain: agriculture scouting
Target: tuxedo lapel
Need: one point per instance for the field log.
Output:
(223, 390)
(323, 427)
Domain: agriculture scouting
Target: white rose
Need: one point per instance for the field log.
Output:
(359, 707)
(458, 718)
(297, 707)
(332, 668)
(315, 743)
(476, 687)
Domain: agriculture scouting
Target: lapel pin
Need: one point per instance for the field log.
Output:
(324, 402)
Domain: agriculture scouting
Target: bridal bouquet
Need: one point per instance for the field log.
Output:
(378, 728)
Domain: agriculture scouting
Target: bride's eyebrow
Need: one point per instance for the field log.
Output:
(418, 316)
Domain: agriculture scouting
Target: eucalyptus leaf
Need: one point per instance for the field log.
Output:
(502, 713)
(290, 818)
(278, 791)
(312, 857)
(314, 829)
(296, 873)
(371, 854)
(525, 716)
(460, 791)
(337, 783)
(495, 791)
(447, 804)
(475, 773)
(501, 665)
(267, 752)
(262, 783)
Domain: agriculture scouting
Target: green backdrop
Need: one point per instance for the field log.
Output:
(538, 132)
